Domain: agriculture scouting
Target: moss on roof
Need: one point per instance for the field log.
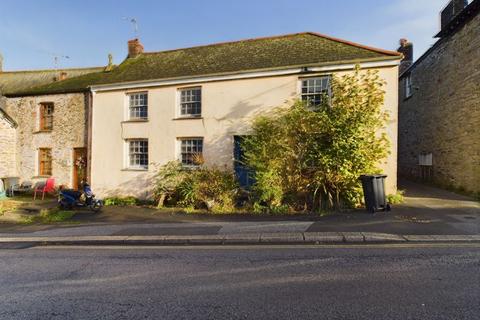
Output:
(299, 49)
(18, 81)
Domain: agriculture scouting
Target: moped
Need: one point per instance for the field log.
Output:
(69, 199)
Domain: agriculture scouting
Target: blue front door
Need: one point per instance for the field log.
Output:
(242, 171)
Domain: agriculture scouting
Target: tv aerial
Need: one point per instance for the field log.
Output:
(134, 23)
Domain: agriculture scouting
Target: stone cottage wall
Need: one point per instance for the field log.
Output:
(7, 146)
(443, 115)
(69, 132)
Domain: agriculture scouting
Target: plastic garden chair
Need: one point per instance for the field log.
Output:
(49, 186)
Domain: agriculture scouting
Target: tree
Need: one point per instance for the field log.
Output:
(311, 157)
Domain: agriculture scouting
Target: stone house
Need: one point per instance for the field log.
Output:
(41, 134)
(439, 106)
(173, 105)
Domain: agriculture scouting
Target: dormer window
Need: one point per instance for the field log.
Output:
(46, 116)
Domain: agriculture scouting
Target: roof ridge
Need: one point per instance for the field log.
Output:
(51, 70)
(228, 42)
(382, 51)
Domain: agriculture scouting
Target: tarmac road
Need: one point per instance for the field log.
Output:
(282, 282)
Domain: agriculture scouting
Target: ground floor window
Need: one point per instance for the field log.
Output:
(45, 162)
(191, 151)
(138, 154)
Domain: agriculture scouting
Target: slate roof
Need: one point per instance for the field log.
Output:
(259, 54)
(12, 82)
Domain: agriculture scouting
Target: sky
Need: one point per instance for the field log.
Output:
(33, 32)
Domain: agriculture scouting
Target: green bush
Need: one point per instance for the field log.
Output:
(196, 188)
(311, 157)
(167, 181)
(121, 201)
(396, 198)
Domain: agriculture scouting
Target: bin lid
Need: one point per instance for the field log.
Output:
(372, 176)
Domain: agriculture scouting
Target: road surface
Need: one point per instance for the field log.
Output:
(296, 282)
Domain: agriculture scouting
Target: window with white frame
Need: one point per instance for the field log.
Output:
(138, 106)
(191, 151)
(137, 153)
(315, 89)
(191, 102)
(408, 86)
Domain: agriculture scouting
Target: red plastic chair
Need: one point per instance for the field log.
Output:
(49, 186)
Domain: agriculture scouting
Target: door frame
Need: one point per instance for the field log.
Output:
(77, 152)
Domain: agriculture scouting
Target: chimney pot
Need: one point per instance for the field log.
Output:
(134, 48)
(406, 48)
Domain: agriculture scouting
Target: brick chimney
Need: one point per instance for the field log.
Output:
(63, 76)
(406, 48)
(134, 48)
(452, 9)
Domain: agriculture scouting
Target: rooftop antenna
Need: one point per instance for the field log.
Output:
(134, 23)
(56, 58)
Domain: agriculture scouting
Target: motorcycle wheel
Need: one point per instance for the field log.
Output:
(96, 206)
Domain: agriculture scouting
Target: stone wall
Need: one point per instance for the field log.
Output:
(7, 145)
(442, 116)
(69, 132)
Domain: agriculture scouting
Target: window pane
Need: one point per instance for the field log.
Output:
(138, 106)
(313, 90)
(138, 153)
(191, 151)
(190, 102)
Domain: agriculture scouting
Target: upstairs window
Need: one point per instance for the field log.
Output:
(191, 102)
(408, 86)
(44, 162)
(46, 116)
(138, 154)
(191, 151)
(315, 89)
(138, 106)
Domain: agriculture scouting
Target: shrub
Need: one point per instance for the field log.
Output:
(121, 201)
(210, 188)
(312, 156)
(167, 181)
(396, 198)
(196, 188)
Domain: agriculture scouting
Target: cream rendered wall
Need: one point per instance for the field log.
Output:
(227, 110)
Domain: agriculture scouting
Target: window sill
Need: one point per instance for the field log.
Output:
(188, 118)
(42, 131)
(41, 177)
(135, 169)
(135, 120)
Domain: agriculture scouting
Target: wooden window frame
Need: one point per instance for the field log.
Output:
(190, 102)
(138, 106)
(44, 161)
(188, 148)
(46, 116)
(137, 154)
(314, 89)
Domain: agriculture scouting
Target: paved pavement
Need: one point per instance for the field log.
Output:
(346, 282)
(427, 211)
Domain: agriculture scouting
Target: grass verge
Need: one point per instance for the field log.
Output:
(50, 216)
